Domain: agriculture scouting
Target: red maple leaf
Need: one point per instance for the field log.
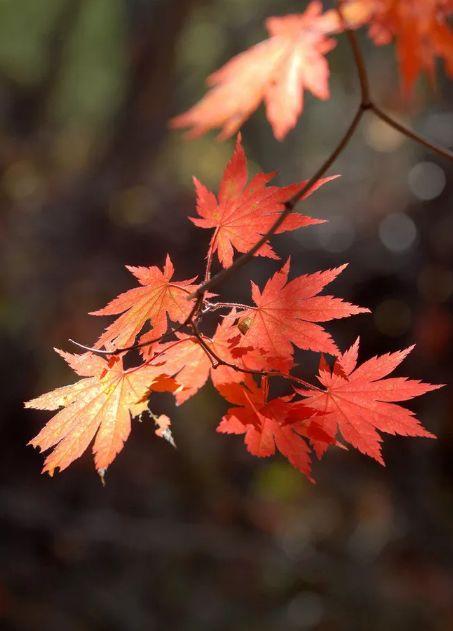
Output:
(158, 298)
(276, 71)
(360, 401)
(264, 423)
(99, 406)
(244, 212)
(287, 313)
(420, 29)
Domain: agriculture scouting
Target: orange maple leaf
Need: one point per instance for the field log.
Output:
(189, 363)
(359, 400)
(244, 212)
(287, 313)
(158, 297)
(265, 426)
(99, 406)
(420, 29)
(276, 71)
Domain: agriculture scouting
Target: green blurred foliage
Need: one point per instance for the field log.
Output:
(24, 30)
(93, 82)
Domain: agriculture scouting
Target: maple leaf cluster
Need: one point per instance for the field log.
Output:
(252, 345)
(278, 70)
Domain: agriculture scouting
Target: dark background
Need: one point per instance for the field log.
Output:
(208, 537)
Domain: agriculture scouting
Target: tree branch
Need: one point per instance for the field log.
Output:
(445, 153)
(366, 103)
(359, 61)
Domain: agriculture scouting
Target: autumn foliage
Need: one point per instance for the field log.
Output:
(293, 59)
(254, 344)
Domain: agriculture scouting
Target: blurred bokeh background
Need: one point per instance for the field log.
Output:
(207, 537)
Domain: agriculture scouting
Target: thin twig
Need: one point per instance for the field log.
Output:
(209, 258)
(359, 61)
(127, 349)
(367, 102)
(133, 347)
(219, 361)
(149, 362)
(214, 306)
(445, 153)
(212, 356)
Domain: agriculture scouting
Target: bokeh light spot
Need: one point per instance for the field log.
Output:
(305, 611)
(337, 235)
(21, 180)
(435, 283)
(426, 180)
(397, 232)
(381, 137)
